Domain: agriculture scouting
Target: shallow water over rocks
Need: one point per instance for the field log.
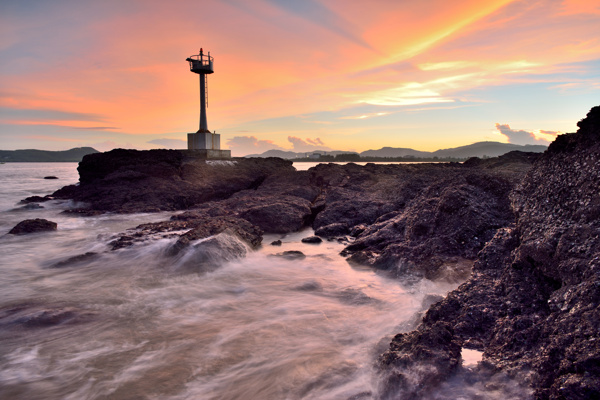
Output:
(138, 323)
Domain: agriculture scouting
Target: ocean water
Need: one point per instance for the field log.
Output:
(138, 324)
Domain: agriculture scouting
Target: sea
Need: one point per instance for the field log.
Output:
(137, 324)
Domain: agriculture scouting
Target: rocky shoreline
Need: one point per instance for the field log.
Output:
(526, 225)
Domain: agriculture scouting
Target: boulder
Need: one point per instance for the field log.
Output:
(312, 239)
(32, 226)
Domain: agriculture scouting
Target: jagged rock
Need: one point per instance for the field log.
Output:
(146, 181)
(415, 220)
(532, 304)
(36, 199)
(195, 226)
(332, 230)
(249, 233)
(418, 361)
(33, 225)
(276, 243)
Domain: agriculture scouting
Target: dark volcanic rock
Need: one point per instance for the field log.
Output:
(196, 226)
(332, 230)
(51, 177)
(312, 239)
(141, 181)
(415, 220)
(205, 228)
(280, 204)
(36, 199)
(418, 361)
(533, 302)
(33, 225)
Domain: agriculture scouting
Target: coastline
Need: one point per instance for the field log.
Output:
(523, 228)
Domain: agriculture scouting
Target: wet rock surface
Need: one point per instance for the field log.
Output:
(42, 316)
(414, 220)
(187, 228)
(532, 303)
(162, 180)
(32, 226)
(526, 225)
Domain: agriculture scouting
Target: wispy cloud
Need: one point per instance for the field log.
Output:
(365, 116)
(307, 144)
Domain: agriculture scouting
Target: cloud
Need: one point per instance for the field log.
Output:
(170, 143)
(524, 137)
(50, 138)
(307, 145)
(365, 116)
(315, 142)
(92, 128)
(243, 145)
(10, 113)
(316, 13)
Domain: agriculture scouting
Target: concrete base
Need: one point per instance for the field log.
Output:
(204, 141)
(210, 154)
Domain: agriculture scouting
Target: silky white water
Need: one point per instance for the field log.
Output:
(137, 324)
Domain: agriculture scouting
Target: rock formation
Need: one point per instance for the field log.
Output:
(32, 226)
(532, 303)
(530, 223)
(162, 180)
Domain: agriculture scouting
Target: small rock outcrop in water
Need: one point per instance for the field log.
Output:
(195, 227)
(532, 304)
(312, 239)
(33, 225)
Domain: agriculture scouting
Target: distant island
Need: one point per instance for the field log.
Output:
(479, 149)
(31, 155)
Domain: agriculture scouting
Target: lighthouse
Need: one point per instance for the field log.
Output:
(204, 141)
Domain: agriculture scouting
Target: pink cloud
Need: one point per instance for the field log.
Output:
(301, 145)
(523, 137)
(243, 145)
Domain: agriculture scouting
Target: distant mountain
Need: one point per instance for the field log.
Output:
(479, 149)
(395, 152)
(489, 149)
(276, 153)
(30, 155)
(292, 154)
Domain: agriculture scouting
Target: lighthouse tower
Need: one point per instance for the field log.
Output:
(203, 140)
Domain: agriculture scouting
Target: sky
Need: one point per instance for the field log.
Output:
(296, 75)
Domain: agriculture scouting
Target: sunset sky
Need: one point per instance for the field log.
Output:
(296, 74)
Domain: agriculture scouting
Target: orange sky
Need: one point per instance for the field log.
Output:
(344, 75)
